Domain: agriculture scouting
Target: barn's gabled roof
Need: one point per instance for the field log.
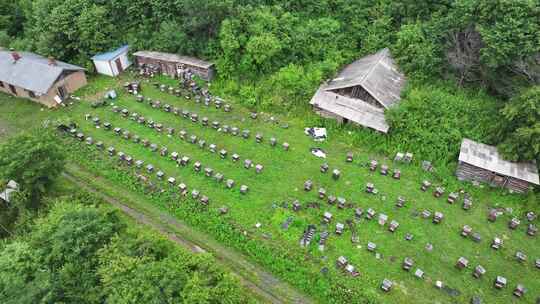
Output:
(174, 58)
(112, 54)
(351, 109)
(488, 158)
(377, 74)
(31, 71)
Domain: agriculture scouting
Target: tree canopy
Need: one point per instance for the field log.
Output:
(520, 126)
(33, 159)
(80, 253)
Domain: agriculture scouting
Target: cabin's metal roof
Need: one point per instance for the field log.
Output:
(32, 72)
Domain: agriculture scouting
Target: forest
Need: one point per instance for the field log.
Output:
(473, 65)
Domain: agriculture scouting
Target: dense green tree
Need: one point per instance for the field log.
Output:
(83, 254)
(12, 17)
(57, 261)
(162, 277)
(34, 159)
(5, 39)
(510, 30)
(15, 214)
(95, 33)
(66, 244)
(412, 11)
(21, 280)
(72, 30)
(492, 43)
(519, 127)
(170, 38)
(416, 53)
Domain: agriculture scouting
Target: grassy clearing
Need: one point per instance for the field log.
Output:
(150, 215)
(282, 181)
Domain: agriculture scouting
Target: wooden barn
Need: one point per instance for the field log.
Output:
(44, 80)
(170, 64)
(480, 162)
(112, 63)
(362, 92)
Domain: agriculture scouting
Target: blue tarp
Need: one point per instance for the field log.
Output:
(112, 54)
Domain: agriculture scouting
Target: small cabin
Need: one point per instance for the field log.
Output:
(112, 63)
(482, 163)
(172, 64)
(361, 92)
(44, 80)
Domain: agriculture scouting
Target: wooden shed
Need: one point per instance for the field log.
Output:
(362, 92)
(480, 162)
(112, 63)
(44, 80)
(171, 64)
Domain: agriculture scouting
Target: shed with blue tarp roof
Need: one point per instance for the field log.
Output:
(112, 63)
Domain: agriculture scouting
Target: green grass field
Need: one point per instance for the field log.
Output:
(282, 180)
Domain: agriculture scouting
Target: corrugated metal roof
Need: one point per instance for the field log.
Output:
(32, 72)
(377, 74)
(112, 54)
(352, 109)
(174, 58)
(488, 158)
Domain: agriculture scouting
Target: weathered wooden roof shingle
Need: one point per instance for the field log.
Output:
(351, 109)
(378, 75)
(174, 58)
(488, 158)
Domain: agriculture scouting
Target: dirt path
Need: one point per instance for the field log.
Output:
(265, 285)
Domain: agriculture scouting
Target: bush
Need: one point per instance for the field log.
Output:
(432, 120)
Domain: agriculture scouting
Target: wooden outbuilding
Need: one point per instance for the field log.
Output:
(480, 162)
(362, 92)
(44, 80)
(112, 63)
(173, 64)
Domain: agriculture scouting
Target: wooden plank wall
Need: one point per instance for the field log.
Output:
(469, 172)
